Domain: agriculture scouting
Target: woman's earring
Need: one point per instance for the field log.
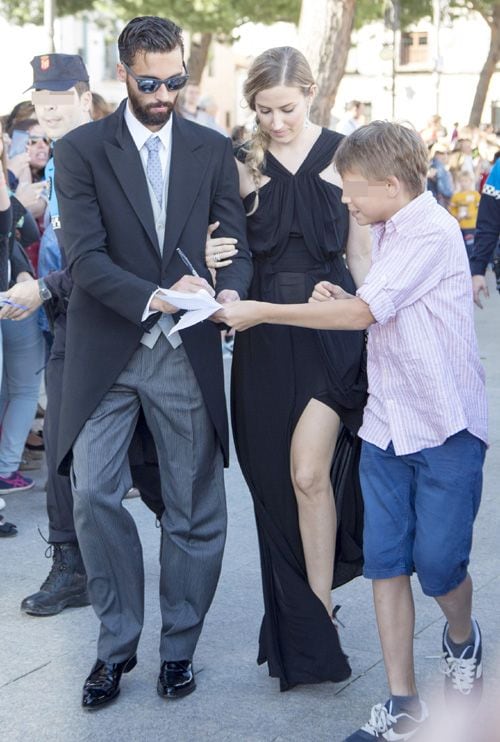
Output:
(255, 125)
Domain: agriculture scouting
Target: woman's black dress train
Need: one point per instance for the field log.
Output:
(298, 236)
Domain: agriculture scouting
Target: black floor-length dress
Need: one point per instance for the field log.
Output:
(298, 236)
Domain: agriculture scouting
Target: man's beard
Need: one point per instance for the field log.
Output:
(144, 113)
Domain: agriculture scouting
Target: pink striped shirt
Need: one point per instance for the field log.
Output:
(425, 380)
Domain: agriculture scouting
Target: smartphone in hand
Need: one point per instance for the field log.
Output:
(19, 143)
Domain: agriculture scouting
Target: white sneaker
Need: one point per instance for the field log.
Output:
(2, 503)
(464, 674)
(383, 724)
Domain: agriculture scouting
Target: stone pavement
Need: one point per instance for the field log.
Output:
(43, 661)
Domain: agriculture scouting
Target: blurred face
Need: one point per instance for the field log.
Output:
(192, 95)
(282, 112)
(153, 109)
(38, 148)
(58, 114)
(369, 201)
(466, 182)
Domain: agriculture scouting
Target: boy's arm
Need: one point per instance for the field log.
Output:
(337, 311)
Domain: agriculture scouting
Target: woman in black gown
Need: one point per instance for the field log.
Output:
(297, 394)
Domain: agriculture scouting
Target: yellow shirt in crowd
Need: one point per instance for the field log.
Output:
(463, 206)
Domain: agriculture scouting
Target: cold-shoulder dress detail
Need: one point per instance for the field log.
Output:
(298, 236)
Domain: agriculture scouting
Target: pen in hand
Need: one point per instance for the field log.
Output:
(187, 262)
(13, 304)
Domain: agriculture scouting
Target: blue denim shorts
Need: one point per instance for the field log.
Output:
(420, 509)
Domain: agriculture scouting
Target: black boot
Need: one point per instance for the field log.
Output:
(65, 586)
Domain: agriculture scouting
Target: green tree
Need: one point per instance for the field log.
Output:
(326, 27)
(205, 19)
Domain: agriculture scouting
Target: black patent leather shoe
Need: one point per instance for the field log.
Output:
(103, 683)
(176, 679)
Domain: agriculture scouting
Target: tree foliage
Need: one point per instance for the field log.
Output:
(211, 16)
(409, 11)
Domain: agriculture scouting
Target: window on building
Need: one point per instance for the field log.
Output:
(414, 48)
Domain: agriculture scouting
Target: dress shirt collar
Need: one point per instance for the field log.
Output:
(409, 216)
(140, 133)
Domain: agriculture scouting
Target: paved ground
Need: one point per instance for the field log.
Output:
(43, 662)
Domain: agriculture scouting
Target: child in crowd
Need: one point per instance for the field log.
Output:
(425, 424)
(464, 205)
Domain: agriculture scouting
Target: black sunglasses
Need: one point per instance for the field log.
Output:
(152, 84)
(34, 138)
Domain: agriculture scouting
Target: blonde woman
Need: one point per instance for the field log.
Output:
(297, 395)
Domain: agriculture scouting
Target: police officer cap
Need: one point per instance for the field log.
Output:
(58, 71)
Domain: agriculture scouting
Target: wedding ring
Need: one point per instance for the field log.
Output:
(216, 258)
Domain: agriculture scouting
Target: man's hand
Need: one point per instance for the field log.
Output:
(26, 294)
(326, 291)
(187, 284)
(242, 314)
(479, 285)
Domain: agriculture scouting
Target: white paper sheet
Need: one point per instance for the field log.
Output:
(199, 306)
(186, 300)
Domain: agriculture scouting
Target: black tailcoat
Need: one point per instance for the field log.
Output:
(115, 261)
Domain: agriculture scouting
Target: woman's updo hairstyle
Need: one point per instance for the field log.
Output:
(281, 65)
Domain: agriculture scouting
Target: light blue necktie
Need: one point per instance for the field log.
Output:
(153, 169)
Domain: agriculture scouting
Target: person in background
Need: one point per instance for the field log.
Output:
(100, 107)
(22, 359)
(66, 583)
(187, 104)
(206, 113)
(23, 110)
(34, 198)
(439, 180)
(487, 235)
(464, 206)
(6, 529)
(352, 119)
(238, 135)
(434, 131)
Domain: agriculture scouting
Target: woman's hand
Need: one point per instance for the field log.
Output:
(326, 291)
(31, 195)
(242, 314)
(19, 166)
(25, 298)
(219, 250)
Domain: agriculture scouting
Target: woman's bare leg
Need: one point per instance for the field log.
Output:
(313, 444)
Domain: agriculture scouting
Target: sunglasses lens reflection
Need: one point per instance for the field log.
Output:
(147, 85)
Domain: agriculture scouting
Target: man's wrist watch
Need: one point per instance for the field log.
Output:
(43, 290)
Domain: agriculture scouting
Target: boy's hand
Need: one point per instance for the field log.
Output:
(242, 314)
(479, 285)
(326, 291)
(226, 296)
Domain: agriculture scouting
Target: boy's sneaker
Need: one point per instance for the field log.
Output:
(384, 724)
(2, 503)
(15, 483)
(464, 674)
